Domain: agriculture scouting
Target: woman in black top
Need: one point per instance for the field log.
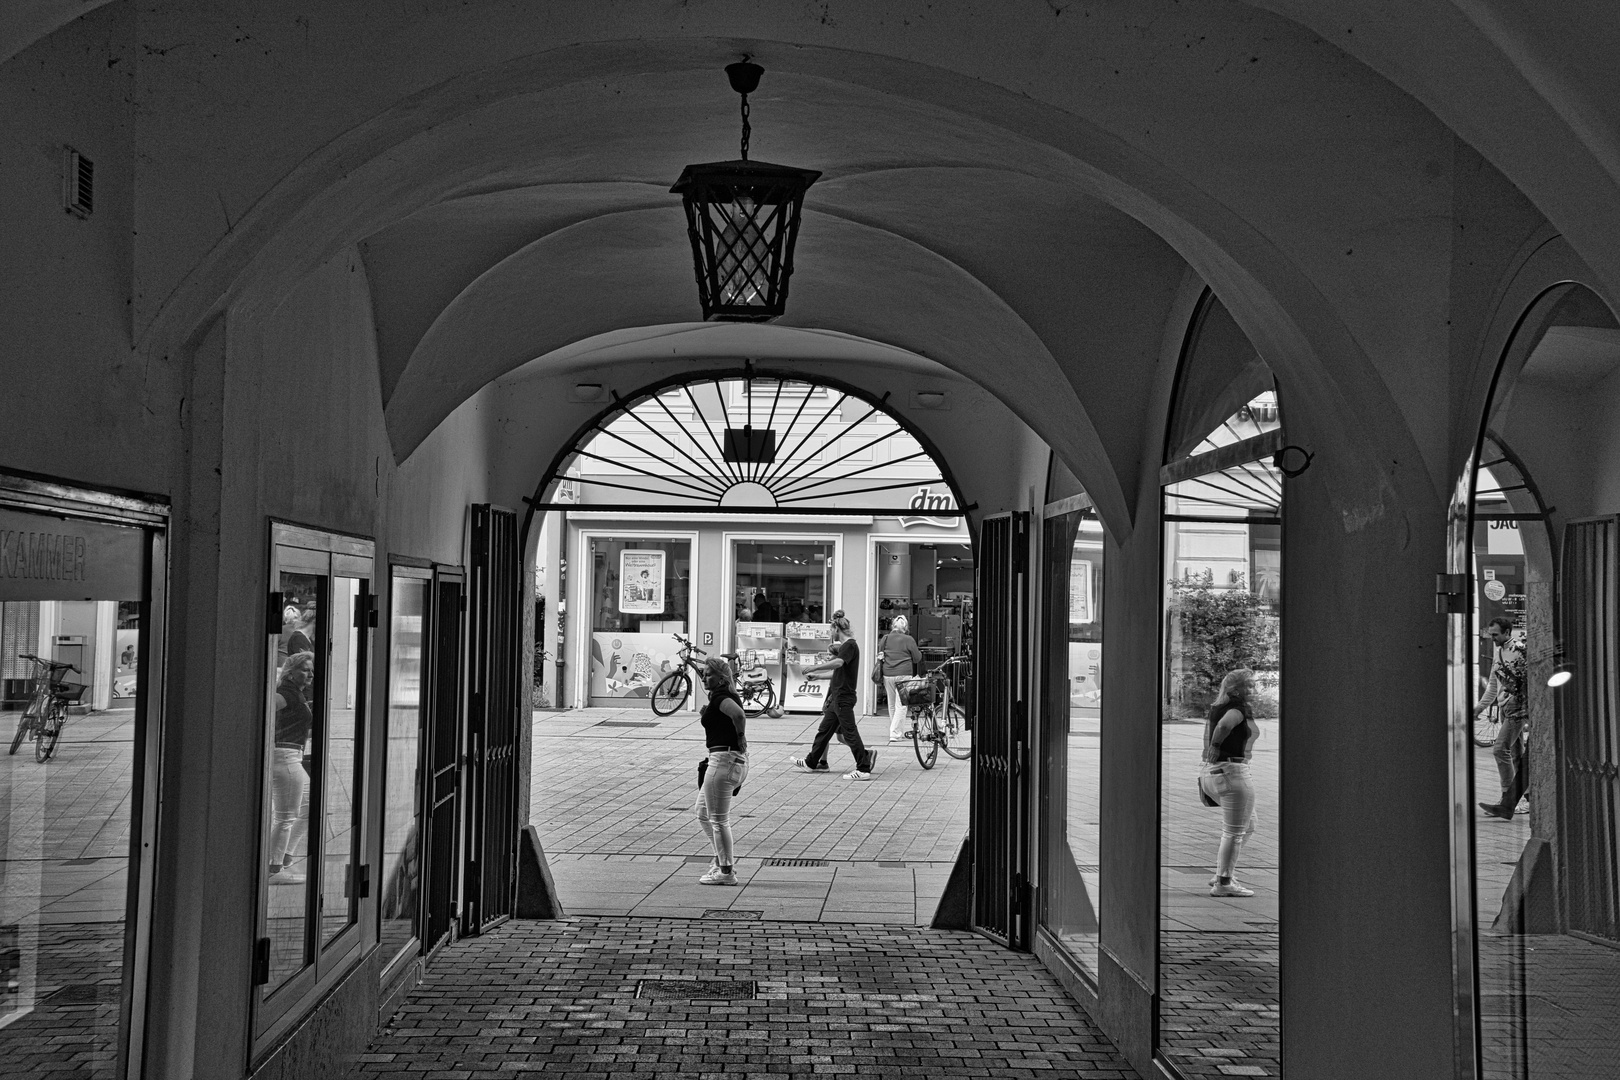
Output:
(1229, 735)
(289, 783)
(723, 731)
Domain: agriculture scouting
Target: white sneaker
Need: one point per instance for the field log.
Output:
(1231, 888)
(717, 876)
(1523, 807)
(857, 775)
(798, 763)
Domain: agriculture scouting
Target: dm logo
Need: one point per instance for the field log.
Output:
(927, 500)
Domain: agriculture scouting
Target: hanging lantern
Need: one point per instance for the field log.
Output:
(743, 219)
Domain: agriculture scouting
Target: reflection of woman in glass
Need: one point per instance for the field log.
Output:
(289, 783)
(1229, 735)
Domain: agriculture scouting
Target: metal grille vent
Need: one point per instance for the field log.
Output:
(732, 914)
(695, 989)
(627, 723)
(78, 183)
(795, 862)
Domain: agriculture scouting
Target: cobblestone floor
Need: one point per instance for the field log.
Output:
(614, 791)
(561, 999)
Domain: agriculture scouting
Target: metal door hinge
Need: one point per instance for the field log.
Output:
(1451, 594)
(261, 961)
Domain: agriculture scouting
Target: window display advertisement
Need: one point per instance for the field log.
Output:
(808, 644)
(760, 643)
(641, 578)
(625, 665)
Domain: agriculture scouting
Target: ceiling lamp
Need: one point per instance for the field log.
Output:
(743, 219)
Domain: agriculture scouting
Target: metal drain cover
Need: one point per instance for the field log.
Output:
(891, 864)
(734, 914)
(695, 989)
(627, 723)
(795, 862)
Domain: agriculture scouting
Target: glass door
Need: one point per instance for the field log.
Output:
(781, 592)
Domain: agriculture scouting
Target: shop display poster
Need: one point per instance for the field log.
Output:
(630, 665)
(641, 582)
(808, 644)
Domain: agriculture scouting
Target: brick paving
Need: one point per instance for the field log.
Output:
(613, 804)
(560, 999)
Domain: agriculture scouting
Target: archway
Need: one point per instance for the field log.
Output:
(734, 512)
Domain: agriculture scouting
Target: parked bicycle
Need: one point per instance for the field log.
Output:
(754, 688)
(47, 706)
(937, 721)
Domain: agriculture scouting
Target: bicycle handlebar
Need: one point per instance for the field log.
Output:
(49, 663)
(688, 643)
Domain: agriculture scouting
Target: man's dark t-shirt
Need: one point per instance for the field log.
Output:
(841, 688)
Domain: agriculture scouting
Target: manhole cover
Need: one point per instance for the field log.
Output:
(627, 723)
(732, 914)
(83, 994)
(795, 862)
(694, 989)
(890, 864)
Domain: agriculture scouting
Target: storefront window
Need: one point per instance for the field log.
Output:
(402, 803)
(1536, 697)
(314, 751)
(1072, 667)
(1219, 840)
(67, 788)
(780, 593)
(640, 598)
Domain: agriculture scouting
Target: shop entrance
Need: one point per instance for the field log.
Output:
(784, 593)
(81, 645)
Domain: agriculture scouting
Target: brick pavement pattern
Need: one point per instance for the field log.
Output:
(1219, 1003)
(560, 998)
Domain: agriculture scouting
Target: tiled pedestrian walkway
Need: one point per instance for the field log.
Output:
(613, 798)
(613, 997)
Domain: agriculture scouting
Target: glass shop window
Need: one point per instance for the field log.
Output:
(72, 613)
(1071, 897)
(641, 595)
(312, 878)
(402, 802)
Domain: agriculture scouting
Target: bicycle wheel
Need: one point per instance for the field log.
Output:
(671, 692)
(759, 699)
(954, 731)
(925, 731)
(25, 724)
(50, 730)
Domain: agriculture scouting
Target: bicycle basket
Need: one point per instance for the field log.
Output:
(916, 691)
(68, 693)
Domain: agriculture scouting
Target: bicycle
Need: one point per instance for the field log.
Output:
(754, 689)
(47, 708)
(936, 719)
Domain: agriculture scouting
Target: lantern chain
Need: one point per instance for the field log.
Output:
(746, 130)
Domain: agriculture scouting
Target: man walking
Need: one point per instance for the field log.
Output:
(838, 713)
(1506, 689)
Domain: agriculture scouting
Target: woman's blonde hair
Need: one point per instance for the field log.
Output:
(1241, 678)
(292, 664)
(841, 621)
(721, 667)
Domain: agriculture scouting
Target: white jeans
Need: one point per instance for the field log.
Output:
(289, 803)
(899, 721)
(727, 771)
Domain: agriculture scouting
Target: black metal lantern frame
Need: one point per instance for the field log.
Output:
(743, 219)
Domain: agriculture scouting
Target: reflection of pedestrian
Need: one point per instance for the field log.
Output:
(901, 660)
(726, 768)
(838, 713)
(1506, 690)
(289, 783)
(1229, 734)
(764, 610)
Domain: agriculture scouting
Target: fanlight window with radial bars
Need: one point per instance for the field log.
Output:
(752, 444)
(1230, 473)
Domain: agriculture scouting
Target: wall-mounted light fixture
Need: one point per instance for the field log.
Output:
(743, 220)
